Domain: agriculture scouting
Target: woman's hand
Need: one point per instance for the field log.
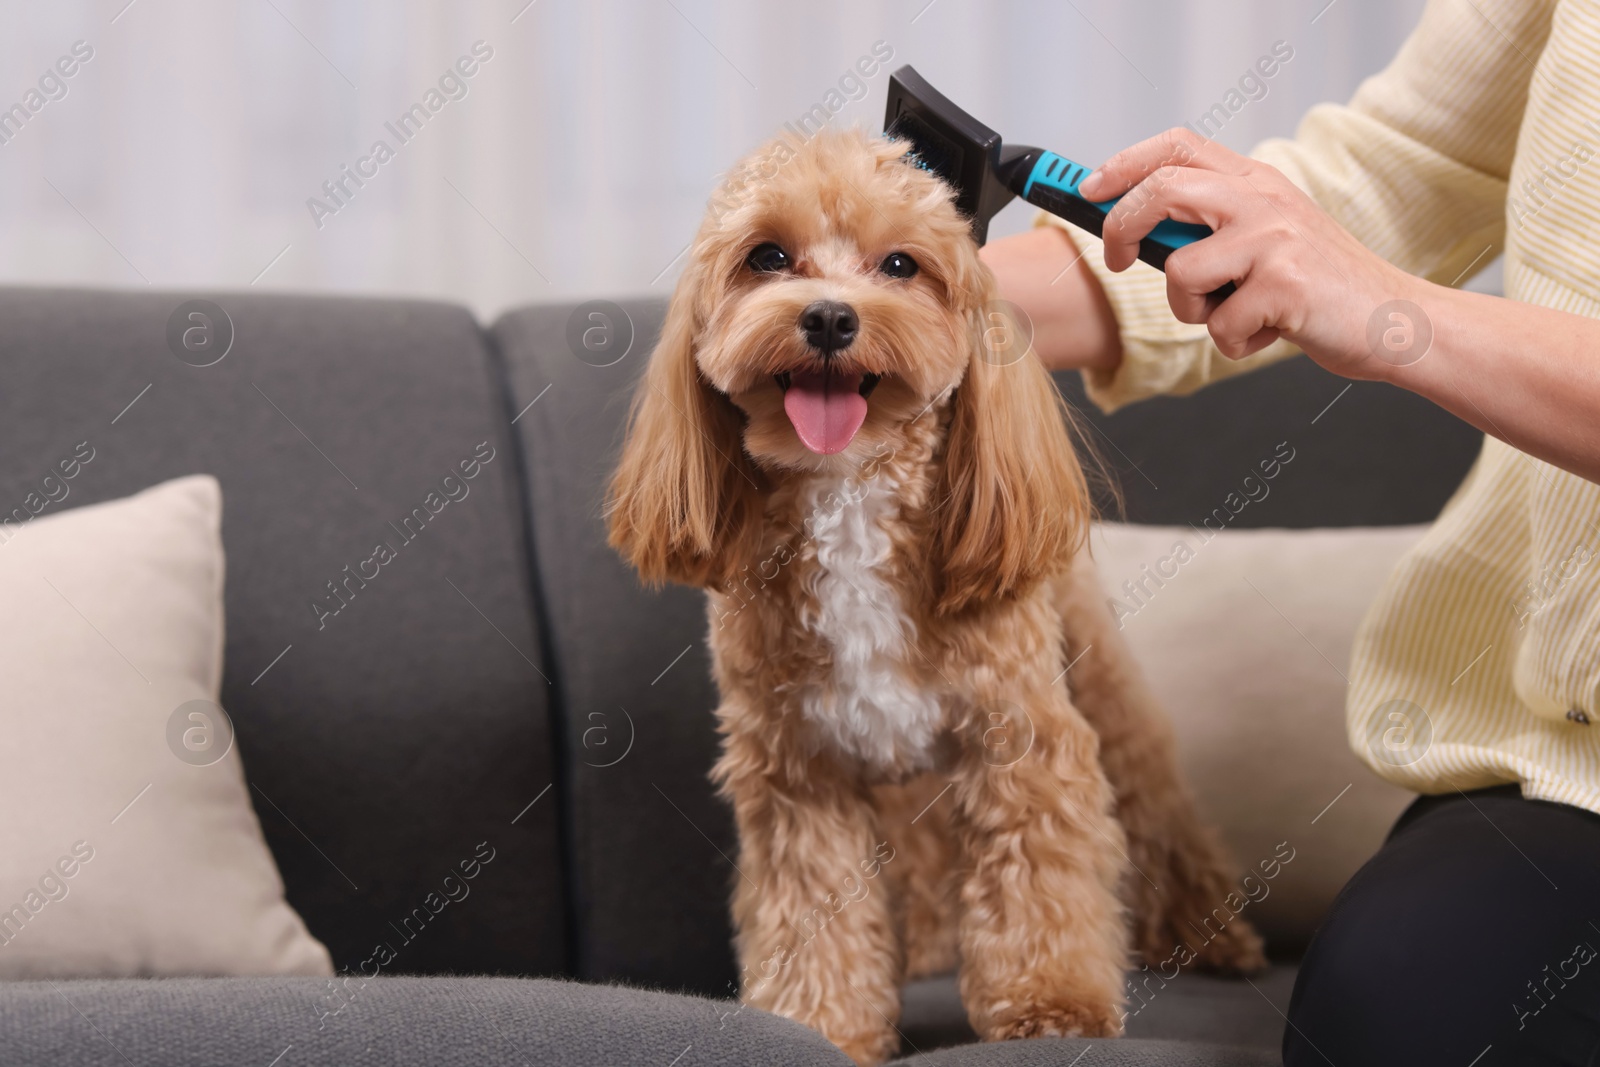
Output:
(1523, 373)
(1299, 274)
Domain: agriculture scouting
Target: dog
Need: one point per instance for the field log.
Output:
(936, 745)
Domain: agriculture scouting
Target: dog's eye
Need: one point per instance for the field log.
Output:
(898, 265)
(767, 259)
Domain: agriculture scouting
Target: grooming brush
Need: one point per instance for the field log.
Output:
(986, 175)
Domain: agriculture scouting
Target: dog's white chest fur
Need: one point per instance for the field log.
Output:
(871, 707)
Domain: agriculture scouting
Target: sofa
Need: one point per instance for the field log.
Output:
(512, 683)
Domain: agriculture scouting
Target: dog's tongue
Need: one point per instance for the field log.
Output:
(826, 409)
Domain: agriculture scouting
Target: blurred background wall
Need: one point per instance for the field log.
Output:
(577, 156)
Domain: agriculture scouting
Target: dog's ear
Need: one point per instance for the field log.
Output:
(684, 491)
(1013, 505)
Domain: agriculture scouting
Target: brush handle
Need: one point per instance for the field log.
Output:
(1052, 183)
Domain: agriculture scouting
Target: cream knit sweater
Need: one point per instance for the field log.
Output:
(1480, 661)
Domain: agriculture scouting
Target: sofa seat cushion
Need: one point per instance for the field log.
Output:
(393, 1022)
(444, 1021)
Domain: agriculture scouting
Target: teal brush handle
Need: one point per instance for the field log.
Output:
(1052, 183)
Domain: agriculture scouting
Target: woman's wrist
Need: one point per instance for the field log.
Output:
(1398, 333)
(1043, 274)
(1424, 338)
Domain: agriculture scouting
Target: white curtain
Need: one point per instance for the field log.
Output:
(576, 157)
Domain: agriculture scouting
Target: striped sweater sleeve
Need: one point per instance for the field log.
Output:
(1415, 166)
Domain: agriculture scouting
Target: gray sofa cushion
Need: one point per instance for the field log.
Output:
(442, 1021)
(648, 840)
(385, 746)
(1366, 453)
(388, 1022)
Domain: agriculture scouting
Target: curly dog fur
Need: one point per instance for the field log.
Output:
(937, 748)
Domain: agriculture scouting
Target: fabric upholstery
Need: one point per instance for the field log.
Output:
(446, 1020)
(383, 747)
(650, 844)
(389, 1022)
(1367, 454)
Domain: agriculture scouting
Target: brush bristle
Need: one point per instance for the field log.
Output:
(930, 150)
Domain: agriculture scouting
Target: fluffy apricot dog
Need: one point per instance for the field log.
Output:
(843, 441)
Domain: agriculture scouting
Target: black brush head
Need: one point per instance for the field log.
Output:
(950, 143)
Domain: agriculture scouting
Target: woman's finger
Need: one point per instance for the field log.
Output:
(1244, 323)
(1177, 147)
(1179, 193)
(1196, 271)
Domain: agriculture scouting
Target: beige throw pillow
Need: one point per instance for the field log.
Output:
(118, 855)
(1245, 637)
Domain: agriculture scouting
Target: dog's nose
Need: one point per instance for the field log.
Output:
(829, 325)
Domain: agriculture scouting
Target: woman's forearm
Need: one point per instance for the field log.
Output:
(1528, 375)
(1525, 374)
(1043, 273)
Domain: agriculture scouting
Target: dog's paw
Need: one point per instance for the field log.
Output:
(1189, 911)
(1198, 944)
(869, 1050)
(1052, 1019)
(1237, 949)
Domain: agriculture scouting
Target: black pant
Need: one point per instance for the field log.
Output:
(1472, 939)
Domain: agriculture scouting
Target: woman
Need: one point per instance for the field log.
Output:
(1471, 938)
